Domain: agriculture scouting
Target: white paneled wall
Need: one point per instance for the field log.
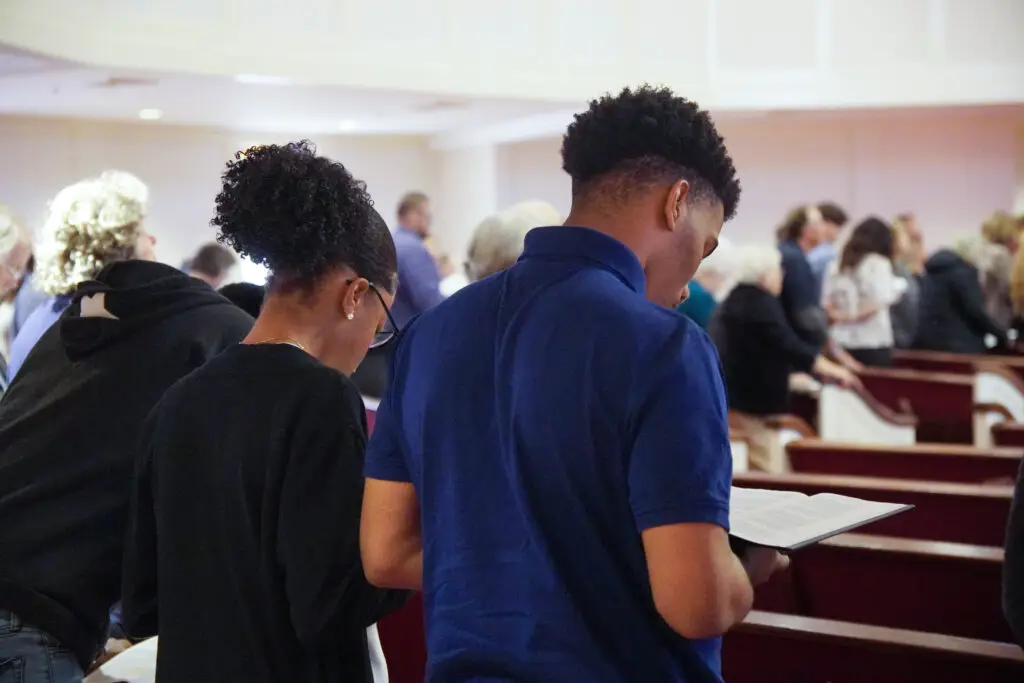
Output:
(951, 168)
(737, 54)
(182, 167)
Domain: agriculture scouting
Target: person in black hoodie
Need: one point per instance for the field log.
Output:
(243, 548)
(69, 427)
(952, 315)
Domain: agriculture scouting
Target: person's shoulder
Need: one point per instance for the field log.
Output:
(876, 262)
(790, 249)
(463, 305)
(321, 383)
(214, 315)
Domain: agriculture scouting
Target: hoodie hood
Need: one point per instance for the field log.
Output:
(127, 296)
(944, 260)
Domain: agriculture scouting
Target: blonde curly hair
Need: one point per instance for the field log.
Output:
(90, 224)
(1001, 228)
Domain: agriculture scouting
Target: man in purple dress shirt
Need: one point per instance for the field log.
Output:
(418, 278)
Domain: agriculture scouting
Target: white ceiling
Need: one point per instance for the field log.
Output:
(33, 86)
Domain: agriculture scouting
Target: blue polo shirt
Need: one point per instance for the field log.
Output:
(547, 415)
(419, 283)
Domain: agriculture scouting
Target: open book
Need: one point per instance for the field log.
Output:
(787, 520)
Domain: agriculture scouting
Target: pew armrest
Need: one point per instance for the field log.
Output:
(854, 415)
(997, 408)
(811, 629)
(793, 423)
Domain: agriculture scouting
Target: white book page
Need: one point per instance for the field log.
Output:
(786, 522)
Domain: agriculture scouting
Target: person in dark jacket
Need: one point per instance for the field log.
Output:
(69, 426)
(243, 545)
(759, 350)
(952, 313)
(245, 295)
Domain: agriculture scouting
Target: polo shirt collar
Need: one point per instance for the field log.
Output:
(565, 242)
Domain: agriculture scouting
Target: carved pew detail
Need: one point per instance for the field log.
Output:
(855, 416)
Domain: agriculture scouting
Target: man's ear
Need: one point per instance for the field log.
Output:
(675, 203)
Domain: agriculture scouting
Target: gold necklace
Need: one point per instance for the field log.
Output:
(283, 340)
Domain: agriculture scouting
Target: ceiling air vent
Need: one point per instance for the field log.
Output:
(442, 105)
(125, 82)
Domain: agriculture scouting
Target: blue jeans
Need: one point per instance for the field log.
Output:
(28, 655)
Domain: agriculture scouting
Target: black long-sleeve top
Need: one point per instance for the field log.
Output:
(952, 308)
(758, 350)
(243, 546)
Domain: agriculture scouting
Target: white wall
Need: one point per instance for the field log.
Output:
(182, 167)
(951, 168)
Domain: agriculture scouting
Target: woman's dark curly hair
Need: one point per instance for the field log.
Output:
(871, 236)
(302, 215)
(649, 135)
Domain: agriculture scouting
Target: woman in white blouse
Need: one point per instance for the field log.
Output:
(860, 288)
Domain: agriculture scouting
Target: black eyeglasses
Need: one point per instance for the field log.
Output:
(390, 328)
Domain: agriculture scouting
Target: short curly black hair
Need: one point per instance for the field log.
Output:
(647, 135)
(302, 215)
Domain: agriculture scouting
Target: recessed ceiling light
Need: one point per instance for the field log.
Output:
(150, 114)
(260, 79)
(348, 126)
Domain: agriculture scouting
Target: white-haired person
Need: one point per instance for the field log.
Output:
(90, 225)
(498, 240)
(759, 350)
(711, 283)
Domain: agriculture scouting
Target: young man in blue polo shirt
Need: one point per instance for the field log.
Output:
(551, 462)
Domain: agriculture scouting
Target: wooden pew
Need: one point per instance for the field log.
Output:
(942, 402)
(781, 648)
(404, 642)
(998, 398)
(959, 513)
(856, 416)
(927, 462)
(784, 429)
(1008, 434)
(959, 363)
(998, 384)
(949, 588)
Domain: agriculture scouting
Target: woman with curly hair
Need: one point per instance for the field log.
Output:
(248, 494)
(860, 288)
(90, 224)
